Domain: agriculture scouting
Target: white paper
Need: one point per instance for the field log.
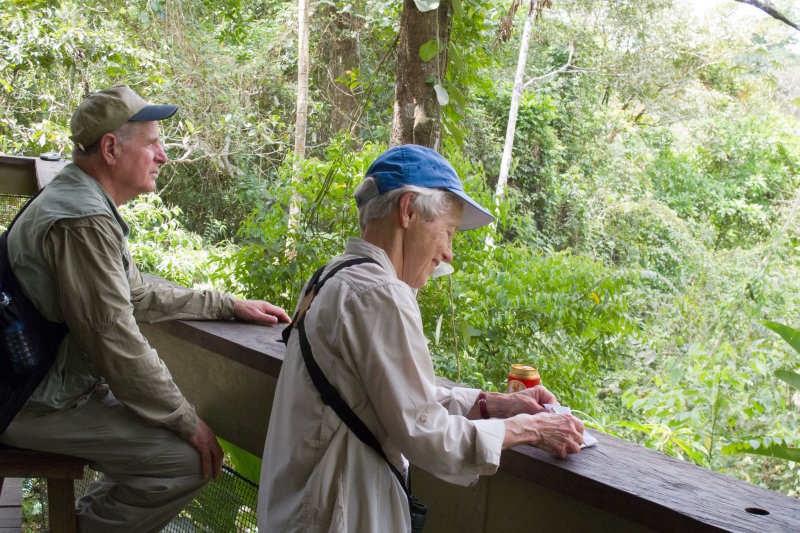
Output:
(588, 439)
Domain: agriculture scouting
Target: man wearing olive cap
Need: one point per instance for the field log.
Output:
(108, 397)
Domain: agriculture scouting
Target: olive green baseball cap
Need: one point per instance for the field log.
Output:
(105, 111)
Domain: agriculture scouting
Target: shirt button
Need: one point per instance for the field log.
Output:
(423, 419)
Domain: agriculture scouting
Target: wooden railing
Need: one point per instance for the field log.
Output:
(229, 371)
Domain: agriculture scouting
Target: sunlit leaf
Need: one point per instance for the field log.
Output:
(243, 461)
(426, 5)
(792, 378)
(441, 94)
(789, 334)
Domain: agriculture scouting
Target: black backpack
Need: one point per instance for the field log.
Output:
(43, 338)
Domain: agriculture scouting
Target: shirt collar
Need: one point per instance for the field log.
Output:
(361, 247)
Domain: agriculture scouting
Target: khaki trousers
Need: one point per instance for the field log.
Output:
(149, 474)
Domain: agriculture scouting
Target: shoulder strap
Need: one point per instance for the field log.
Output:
(44, 339)
(331, 396)
(312, 288)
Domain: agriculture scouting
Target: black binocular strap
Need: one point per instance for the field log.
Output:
(331, 396)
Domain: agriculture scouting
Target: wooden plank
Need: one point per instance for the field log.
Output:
(46, 170)
(11, 505)
(656, 490)
(11, 492)
(18, 175)
(29, 463)
(61, 503)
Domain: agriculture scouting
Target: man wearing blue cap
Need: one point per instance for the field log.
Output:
(356, 399)
(108, 397)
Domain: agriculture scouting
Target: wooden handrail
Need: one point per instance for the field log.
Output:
(636, 483)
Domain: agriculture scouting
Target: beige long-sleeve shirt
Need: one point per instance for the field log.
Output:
(366, 334)
(101, 295)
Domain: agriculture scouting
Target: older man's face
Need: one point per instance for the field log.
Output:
(139, 156)
(428, 243)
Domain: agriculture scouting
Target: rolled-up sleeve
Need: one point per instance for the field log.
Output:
(88, 258)
(156, 302)
(458, 400)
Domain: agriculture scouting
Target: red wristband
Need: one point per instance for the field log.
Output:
(482, 405)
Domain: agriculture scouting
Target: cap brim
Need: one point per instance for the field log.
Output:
(154, 112)
(475, 215)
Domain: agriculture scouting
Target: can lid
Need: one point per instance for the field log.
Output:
(524, 371)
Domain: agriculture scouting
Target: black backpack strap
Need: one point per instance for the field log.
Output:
(42, 335)
(330, 396)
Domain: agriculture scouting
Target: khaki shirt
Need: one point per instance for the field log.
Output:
(101, 303)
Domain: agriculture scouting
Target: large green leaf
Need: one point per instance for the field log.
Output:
(429, 50)
(789, 334)
(244, 462)
(781, 451)
(792, 378)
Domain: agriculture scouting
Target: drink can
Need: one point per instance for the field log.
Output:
(522, 377)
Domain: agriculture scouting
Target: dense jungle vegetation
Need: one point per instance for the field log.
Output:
(649, 225)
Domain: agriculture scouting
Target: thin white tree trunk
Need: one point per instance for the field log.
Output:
(301, 120)
(516, 94)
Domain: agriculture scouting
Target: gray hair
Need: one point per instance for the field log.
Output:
(430, 203)
(123, 134)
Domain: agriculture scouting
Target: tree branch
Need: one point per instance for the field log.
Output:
(564, 67)
(767, 7)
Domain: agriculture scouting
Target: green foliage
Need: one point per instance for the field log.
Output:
(160, 245)
(323, 191)
(787, 333)
(244, 462)
(731, 175)
(560, 312)
(774, 446)
(649, 235)
(767, 446)
(71, 45)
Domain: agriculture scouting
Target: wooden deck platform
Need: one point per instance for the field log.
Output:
(11, 505)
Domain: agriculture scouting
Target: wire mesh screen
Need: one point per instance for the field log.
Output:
(226, 505)
(9, 205)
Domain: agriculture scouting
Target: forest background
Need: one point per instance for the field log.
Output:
(647, 229)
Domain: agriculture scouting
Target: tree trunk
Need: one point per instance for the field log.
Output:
(301, 119)
(511, 128)
(341, 48)
(516, 95)
(416, 117)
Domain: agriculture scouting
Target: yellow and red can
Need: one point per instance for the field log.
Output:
(522, 377)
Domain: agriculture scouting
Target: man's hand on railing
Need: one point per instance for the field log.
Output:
(531, 401)
(559, 434)
(504, 405)
(259, 311)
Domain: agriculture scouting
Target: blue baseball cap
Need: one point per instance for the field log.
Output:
(411, 164)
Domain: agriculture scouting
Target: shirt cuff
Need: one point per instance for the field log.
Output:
(489, 444)
(461, 400)
(183, 420)
(228, 302)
